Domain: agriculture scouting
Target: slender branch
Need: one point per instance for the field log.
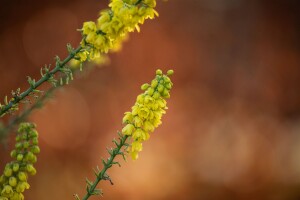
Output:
(43, 79)
(23, 116)
(91, 189)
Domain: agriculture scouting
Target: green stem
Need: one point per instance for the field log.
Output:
(4, 132)
(106, 165)
(39, 82)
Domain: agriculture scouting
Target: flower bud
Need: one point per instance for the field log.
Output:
(35, 141)
(145, 86)
(8, 171)
(15, 167)
(128, 129)
(7, 191)
(20, 157)
(26, 144)
(19, 145)
(154, 83)
(12, 181)
(170, 72)
(160, 88)
(30, 169)
(13, 154)
(35, 149)
(22, 176)
(150, 91)
(158, 72)
(156, 95)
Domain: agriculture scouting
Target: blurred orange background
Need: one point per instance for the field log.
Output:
(232, 130)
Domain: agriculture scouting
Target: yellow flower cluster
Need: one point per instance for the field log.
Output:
(113, 25)
(147, 112)
(13, 182)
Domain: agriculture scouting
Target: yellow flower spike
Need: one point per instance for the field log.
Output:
(113, 24)
(147, 112)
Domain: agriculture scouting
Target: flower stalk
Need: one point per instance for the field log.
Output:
(91, 187)
(34, 85)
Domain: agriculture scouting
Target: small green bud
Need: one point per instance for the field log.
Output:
(12, 181)
(8, 171)
(33, 159)
(29, 156)
(2, 179)
(167, 79)
(35, 141)
(19, 145)
(26, 144)
(145, 86)
(22, 176)
(18, 138)
(30, 169)
(166, 93)
(158, 72)
(24, 136)
(160, 88)
(168, 86)
(35, 149)
(16, 167)
(13, 153)
(33, 133)
(170, 72)
(150, 91)
(7, 191)
(154, 83)
(156, 95)
(20, 157)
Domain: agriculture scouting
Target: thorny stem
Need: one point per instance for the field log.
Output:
(39, 82)
(106, 165)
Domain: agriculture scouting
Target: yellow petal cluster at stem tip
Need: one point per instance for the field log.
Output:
(113, 25)
(147, 112)
(13, 181)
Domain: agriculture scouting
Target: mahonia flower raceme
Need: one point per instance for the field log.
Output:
(13, 182)
(113, 25)
(147, 112)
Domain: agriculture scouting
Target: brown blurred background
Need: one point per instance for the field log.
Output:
(232, 130)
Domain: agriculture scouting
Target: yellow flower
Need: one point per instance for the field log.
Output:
(138, 122)
(128, 118)
(88, 27)
(140, 135)
(144, 112)
(128, 129)
(136, 146)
